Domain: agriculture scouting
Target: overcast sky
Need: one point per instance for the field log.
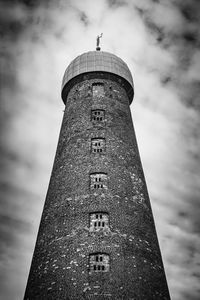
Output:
(160, 42)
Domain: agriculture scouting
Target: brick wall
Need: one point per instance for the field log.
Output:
(67, 242)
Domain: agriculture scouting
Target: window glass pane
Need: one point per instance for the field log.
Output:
(98, 181)
(97, 116)
(99, 262)
(99, 221)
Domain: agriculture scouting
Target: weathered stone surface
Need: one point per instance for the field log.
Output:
(67, 242)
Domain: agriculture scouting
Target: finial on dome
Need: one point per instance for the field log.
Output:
(98, 42)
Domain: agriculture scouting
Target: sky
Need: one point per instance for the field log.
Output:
(160, 42)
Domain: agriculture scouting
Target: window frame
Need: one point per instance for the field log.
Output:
(98, 116)
(100, 145)
(100, 89)
(99, 262)
(99, 182)
(99, 222)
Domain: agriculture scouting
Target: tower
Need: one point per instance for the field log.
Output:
(97, 238)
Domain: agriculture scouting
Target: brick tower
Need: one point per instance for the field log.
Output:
(97, 238)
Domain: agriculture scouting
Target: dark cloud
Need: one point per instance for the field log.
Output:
(187, 33)
(13, 21)
(10, 159)
(190, 9)
(32, 3)
(9, 230)
(84, 18)
(21, 19)
(188, 296)
(116, 3)
(193, 93)
(140, 10)
(182, 214)
(26, 3)
(155, 29)
(191, 37)
(166, 79)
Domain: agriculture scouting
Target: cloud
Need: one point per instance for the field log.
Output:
(159, 41)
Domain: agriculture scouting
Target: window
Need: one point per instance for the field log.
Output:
(98, 181)
(98, 115)
(98, 89)
(99, 221)
(110, 91)
(98, 145)
(99, 262)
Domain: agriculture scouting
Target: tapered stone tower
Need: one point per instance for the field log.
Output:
(97, 238)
